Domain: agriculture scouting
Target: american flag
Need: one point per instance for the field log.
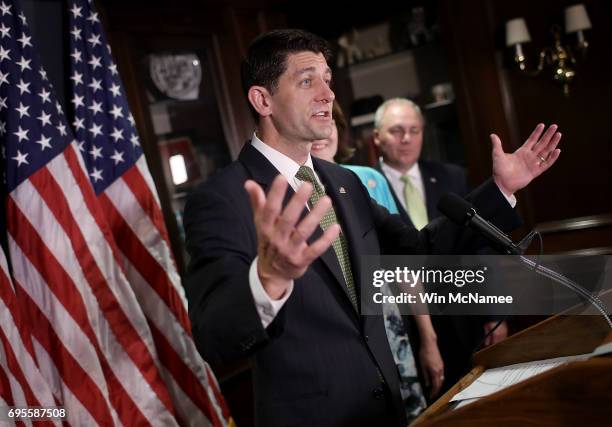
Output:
(87, 335)
(107, 138)
(21, 382)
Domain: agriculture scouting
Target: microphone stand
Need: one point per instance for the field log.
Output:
(549, 274)
(558, 277)
(575, 287)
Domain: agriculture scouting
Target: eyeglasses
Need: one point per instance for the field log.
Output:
(400, 133)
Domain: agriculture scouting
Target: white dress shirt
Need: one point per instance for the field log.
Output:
(267, 308)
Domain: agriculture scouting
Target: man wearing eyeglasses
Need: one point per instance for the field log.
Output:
(417, 187)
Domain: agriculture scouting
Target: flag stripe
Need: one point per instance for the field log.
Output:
(211, 380)
(120, 300)
(76, 413)
(183, 375)
(141, 164)
(17, 345)
(72, 374)
(9, 338)
(7, 296)
(184, 405)
(6, 390)
(119, 323)
(139, 188)
(140, 258)
(12, 362)
(55, 291)
(63, 288)
(78, 177)
(182, 343)
(157, 312)
(75, 164)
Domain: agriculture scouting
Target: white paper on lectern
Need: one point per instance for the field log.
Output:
(603, 349)
(465, 402)
(496, 379)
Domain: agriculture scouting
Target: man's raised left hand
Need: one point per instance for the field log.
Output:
(514, 171)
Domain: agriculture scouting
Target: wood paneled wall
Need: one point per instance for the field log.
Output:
(494, 96)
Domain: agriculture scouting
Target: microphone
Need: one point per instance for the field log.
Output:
(461, 212)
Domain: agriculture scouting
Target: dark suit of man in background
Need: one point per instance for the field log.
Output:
(267, 281)
(398, 134)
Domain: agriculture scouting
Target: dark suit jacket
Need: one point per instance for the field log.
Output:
(457, 335)
(319, 363)
(438, 179)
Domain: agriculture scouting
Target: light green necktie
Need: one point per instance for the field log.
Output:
(414, 203)
(340, 246)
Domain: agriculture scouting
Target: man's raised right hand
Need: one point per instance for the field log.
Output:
(283, 253)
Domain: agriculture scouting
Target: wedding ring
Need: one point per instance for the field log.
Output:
(542, 158)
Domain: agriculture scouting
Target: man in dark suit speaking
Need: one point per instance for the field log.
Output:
(276, 241)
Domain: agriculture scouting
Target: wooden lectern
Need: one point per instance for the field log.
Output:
(576, 394)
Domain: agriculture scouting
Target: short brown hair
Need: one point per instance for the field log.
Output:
(266, 58)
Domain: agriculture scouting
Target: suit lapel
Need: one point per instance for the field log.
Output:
(432, 189)
(343, 194)
(400, 208)
(330, 260)
(261, 170)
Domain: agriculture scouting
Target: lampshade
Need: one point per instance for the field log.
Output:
(576, 18)
(517, 32)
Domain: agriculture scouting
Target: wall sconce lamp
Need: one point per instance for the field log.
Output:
(559, 57)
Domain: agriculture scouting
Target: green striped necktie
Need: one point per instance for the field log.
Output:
(340, 246)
